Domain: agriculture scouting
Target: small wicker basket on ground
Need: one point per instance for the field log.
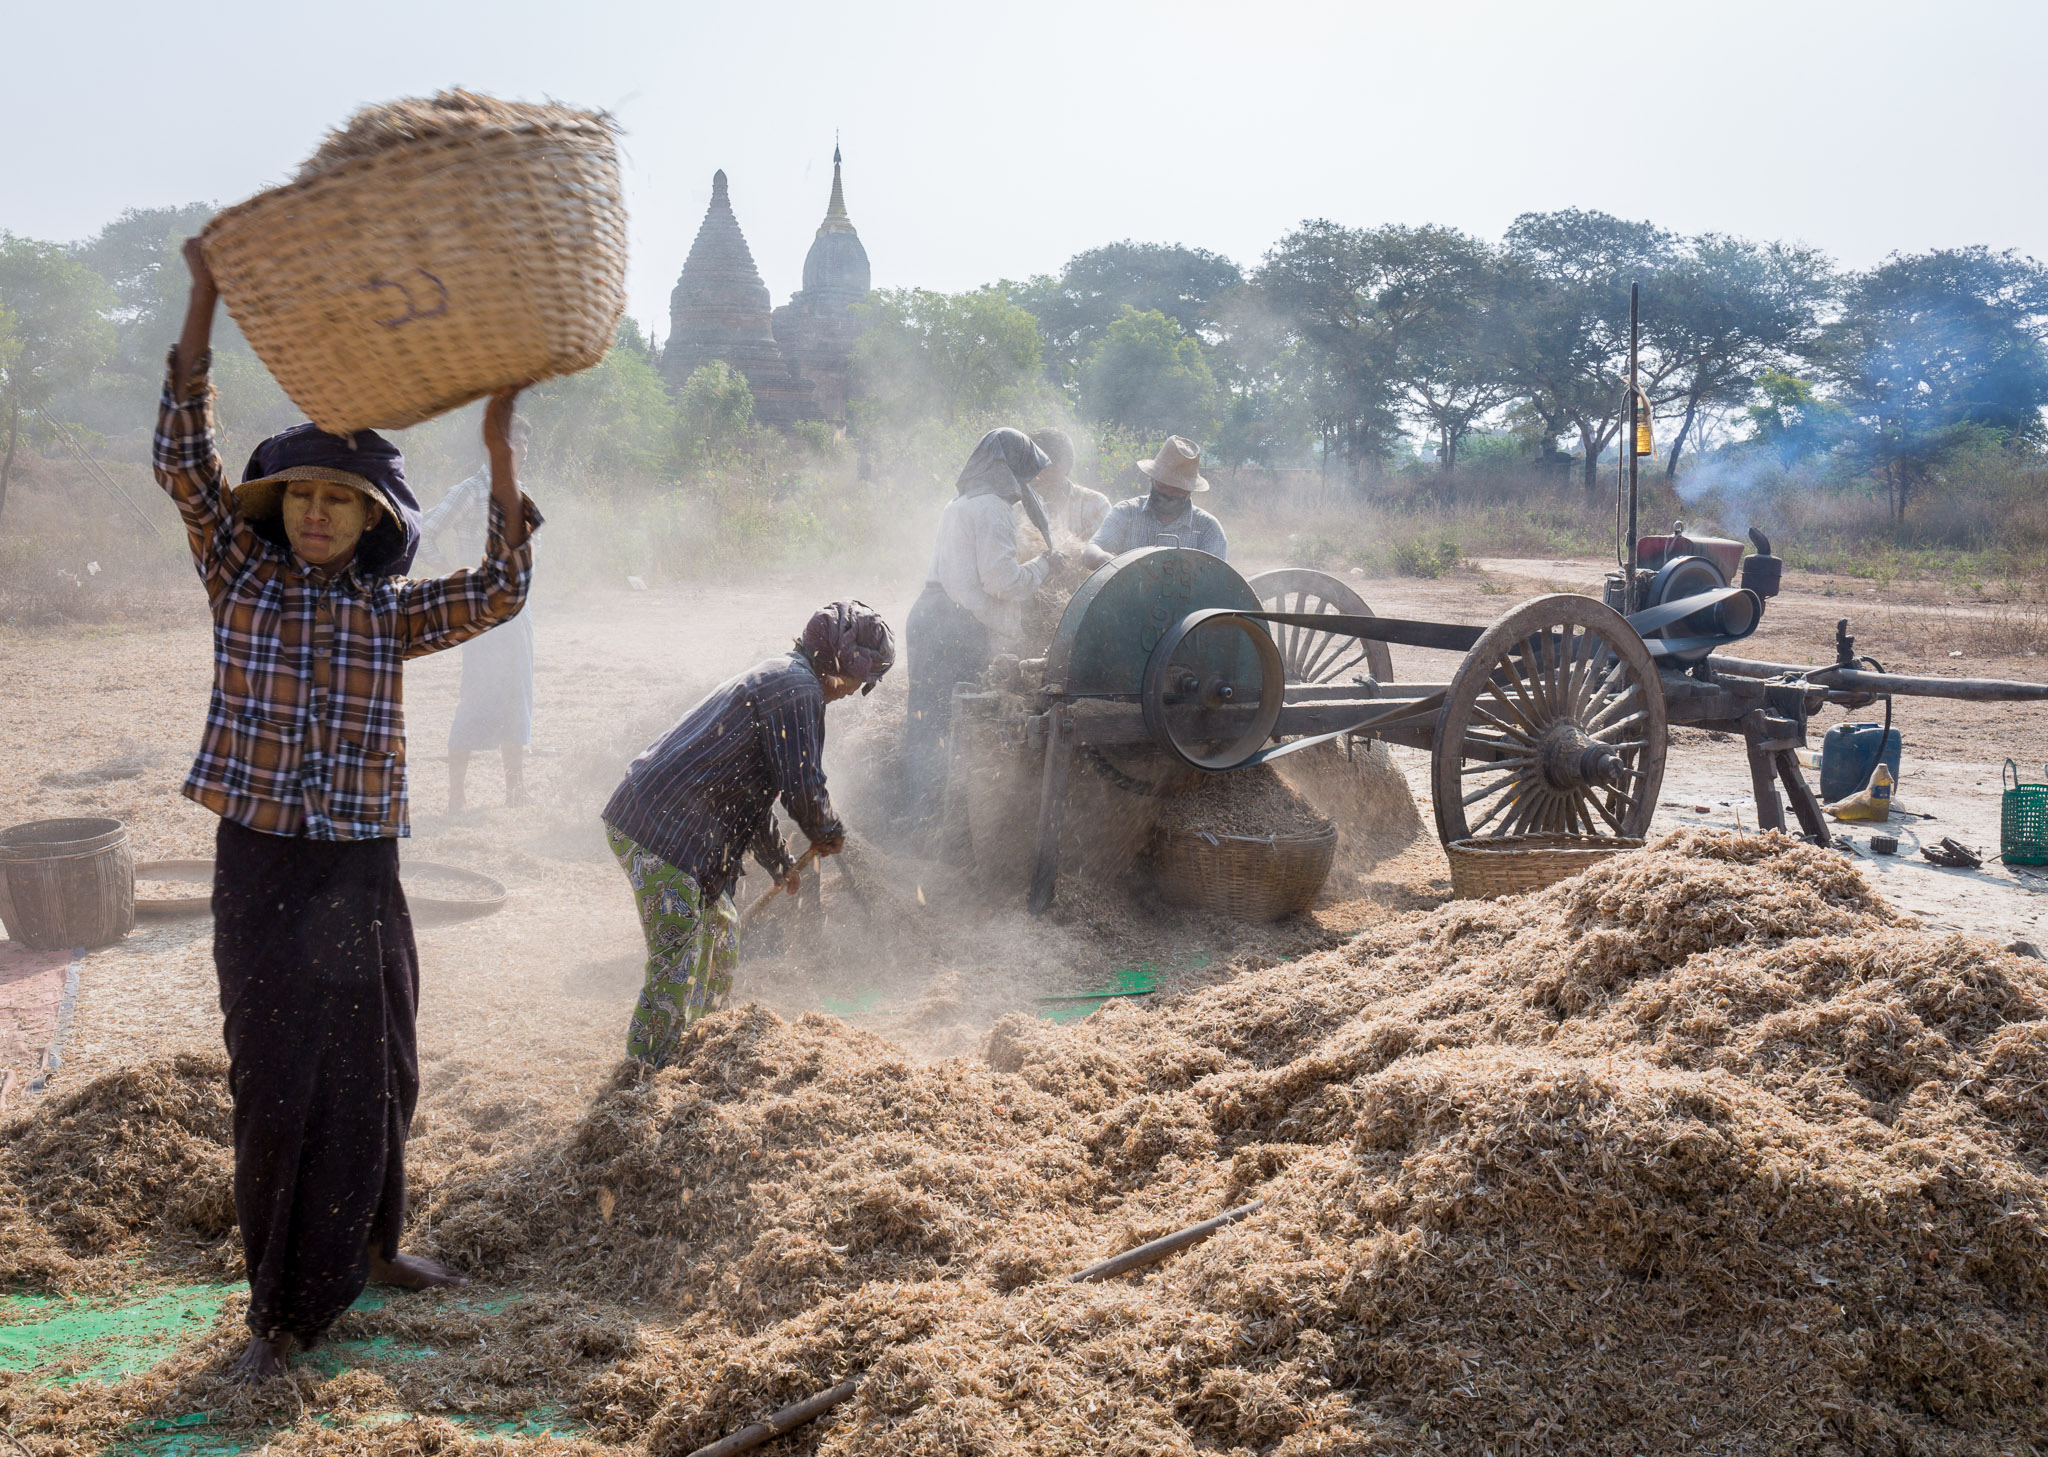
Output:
(1489, 867)
(1252, 877)
(432, 253)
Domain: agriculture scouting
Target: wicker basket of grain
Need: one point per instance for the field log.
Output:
(1245, 845)
(430, 253)
(1489, 867)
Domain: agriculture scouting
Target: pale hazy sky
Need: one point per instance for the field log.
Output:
(995, 140)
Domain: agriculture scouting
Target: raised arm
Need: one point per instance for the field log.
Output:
(187, 465)
(504, 469)
(197, 336)
(443, 611)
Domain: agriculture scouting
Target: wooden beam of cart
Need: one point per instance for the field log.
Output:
(1902, 685)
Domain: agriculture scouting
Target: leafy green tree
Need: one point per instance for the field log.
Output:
(1565, 283)
(139, 256)
(630, 336)
(1932, 351)
(1325, 280)
(1146, 375)
(1078, 308)
(1724, 312)
(57, 332)
(714, 417)
(964, 355)
(1789, 420)
(1264, 419)
(611, 423)
(1439, 305)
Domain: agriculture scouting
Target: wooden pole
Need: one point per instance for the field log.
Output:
(1052, 806)
(1973, 690)
(776, 889)
(746, 1439)
(1159, 1249)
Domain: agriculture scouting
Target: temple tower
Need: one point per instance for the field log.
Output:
(719, 310)
(816, 328)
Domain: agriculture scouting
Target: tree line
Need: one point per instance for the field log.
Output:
(1352, 345)
(1361, 350)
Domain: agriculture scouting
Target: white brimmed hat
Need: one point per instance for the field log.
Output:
(1177, 464)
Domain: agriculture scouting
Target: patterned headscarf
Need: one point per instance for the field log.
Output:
(849, 640)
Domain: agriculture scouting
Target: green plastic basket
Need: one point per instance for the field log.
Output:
(2023, 819)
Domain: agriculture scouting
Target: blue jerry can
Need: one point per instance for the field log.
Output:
(1850, 754)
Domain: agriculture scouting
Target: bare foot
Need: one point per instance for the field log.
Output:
(260, 1360)
(412, 1272)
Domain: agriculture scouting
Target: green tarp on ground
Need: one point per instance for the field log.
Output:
(81, 1338)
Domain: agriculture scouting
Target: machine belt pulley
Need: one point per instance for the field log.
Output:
(1244, 751)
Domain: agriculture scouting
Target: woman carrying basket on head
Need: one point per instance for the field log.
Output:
(303, 759)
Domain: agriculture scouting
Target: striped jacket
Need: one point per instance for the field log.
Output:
(305, 733)
(702, 795)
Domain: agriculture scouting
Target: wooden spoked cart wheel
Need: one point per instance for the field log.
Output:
(1319, 657)
(1554, 724)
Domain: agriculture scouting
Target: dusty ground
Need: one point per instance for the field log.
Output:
(101, 721)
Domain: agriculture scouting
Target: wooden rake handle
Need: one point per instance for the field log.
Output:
(802, 864)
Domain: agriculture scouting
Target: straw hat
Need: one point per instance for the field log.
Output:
(1177, 465)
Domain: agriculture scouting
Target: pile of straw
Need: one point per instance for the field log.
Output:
(1252, 801)
(447, 115)
(138, 1161)
(1704, 1150)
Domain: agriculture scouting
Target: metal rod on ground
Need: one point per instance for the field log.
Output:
(746, 1439)
(776, 889)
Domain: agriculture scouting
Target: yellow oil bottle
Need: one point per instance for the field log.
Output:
(1872, 803)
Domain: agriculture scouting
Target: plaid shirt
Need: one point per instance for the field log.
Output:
(306, 731)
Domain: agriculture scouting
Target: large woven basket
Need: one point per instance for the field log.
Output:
(1492, 866)
(1252, 877)
(393, 286)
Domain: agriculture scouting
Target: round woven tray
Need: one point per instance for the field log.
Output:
(436, 894)
(395, 286)
(1252, 877)
(1491, 866)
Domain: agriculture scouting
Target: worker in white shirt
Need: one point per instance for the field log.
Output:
(972, 606)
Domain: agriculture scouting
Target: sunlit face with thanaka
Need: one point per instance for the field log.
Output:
(324, 520)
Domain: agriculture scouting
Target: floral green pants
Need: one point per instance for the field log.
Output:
(692, 947)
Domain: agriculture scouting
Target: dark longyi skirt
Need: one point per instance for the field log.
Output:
(319, 985)
(945, 644)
